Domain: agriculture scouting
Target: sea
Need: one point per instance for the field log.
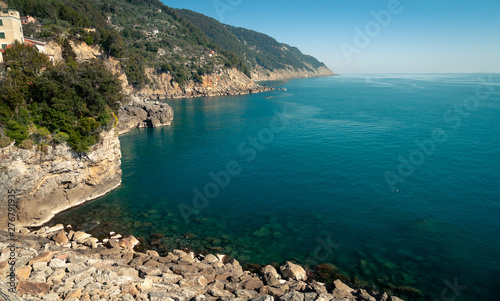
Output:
(387, 181)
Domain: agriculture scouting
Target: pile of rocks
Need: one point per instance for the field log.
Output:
(53, 264)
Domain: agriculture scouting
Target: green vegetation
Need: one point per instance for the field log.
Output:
(71, 102)
(68, 102)
(148, 34)
(253, 48)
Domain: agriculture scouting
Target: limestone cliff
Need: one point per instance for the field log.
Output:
(162, 85)
(83, 51)
(263, 74)
(48, 183)
(223, 82)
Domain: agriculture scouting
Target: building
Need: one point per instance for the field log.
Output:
(39, 44)
(11, 28)
(29, 19)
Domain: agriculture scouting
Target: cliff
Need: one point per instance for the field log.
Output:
(261, 74)
(223, 82)
(141, 113)
(49, 182)
(162, 85)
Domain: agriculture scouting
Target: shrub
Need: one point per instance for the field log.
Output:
(4, 141)
(89, 40)
(60, 137)
(40, 134)
(17, 131)
(26, 144)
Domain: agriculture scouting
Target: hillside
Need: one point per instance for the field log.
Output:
(146, 34)
(257, 50)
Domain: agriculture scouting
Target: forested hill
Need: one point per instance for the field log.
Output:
(146, 33)
(254, 48)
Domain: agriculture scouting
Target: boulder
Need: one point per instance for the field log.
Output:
(44, 257)
(210, 258)
(273, 291)
(51, 297)
(32, 288)
(293, 271)
(270, 275)
(80, 236)
(56, 277)
(55, 228)
(193, 281)
(171, 278)
(252, 284)
(23, 273)
(148, 271)
(311, 296)
(57, 263)
(246, 294)
(339, 285)
(128, 242)
(318, 287)
(263, 298)
(60, 237)
(363, 295)
(292, 296)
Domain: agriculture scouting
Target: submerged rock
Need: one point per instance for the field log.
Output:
(262, 232)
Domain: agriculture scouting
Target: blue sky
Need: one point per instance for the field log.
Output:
(409, 36)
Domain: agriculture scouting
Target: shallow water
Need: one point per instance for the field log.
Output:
(302, 175)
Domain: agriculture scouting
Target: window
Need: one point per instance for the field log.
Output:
(4, 46)
(1, 22)
(2, 35)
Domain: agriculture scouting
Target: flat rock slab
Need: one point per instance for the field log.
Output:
(44, 257)
(32, 288)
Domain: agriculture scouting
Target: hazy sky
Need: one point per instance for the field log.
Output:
(380, 36)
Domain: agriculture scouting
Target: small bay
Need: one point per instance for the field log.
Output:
(394, 179)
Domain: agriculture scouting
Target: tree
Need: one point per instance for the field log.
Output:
(113, 44)
(26, 59)
(68, 53)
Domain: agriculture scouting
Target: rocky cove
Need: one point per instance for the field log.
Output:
(58, 263)
(50, 181)
(58, 178)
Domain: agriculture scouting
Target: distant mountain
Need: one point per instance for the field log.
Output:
(255, 49)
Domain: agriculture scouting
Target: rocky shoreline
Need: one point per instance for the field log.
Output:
(221, 83)
(58, 263)
(48, 182)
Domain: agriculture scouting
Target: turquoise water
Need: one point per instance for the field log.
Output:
(302, 175)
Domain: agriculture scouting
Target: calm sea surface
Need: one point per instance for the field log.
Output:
(394, 179)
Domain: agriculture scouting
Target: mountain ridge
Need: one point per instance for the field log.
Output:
(146, 34)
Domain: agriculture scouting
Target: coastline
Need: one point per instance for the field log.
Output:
(44, 221)
(59, 263)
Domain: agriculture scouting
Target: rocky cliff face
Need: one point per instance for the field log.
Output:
(48, 183)
(142, 113)
(224, 82)
(262, 74)
(83, 51)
